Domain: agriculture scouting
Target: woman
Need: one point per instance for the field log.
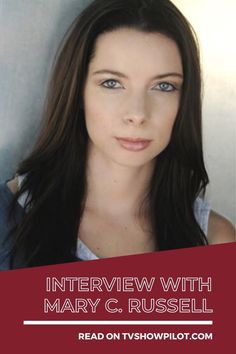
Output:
(118, 167)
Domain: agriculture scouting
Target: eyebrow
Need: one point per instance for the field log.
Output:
(119, 74)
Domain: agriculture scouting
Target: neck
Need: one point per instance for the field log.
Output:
(114, 189)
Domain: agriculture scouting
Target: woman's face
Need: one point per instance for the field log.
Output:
(132, 95)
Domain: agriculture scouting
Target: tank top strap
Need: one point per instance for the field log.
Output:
(202, 211)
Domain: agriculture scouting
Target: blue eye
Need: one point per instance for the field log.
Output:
(111, 84)
(166, 87)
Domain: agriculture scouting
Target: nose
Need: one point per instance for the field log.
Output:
(136, 111)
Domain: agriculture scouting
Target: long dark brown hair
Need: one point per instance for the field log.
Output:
(56, 169)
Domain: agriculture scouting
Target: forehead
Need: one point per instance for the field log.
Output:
(132, 50)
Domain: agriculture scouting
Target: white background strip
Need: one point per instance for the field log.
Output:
(107, 322)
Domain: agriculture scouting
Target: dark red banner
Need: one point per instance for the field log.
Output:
(179, 301)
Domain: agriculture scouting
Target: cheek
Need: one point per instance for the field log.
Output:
(97, 120)
(92, 109)
(166, 114)
(97, 104)
(101, 115)
(163, 124)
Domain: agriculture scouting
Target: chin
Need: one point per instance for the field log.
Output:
(134, 161)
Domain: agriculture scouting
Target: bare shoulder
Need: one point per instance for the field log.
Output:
(220, 229)
(13, 185)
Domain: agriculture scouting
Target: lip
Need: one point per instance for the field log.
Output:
(133, 144)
